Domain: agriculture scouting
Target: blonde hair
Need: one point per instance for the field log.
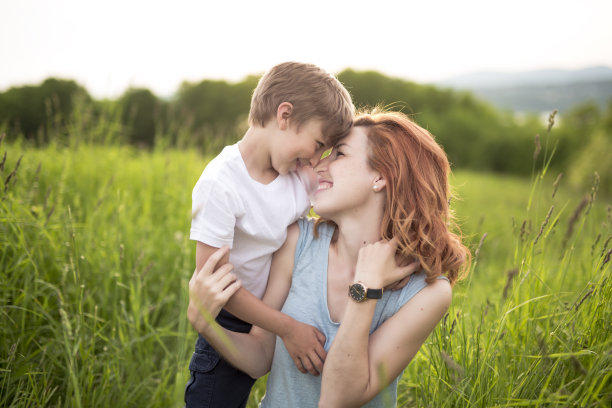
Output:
(314, 94)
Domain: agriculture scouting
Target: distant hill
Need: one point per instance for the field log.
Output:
(538, 91)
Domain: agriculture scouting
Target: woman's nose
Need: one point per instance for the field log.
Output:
(321, 166)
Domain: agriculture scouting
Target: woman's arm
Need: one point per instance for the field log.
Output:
(209, 292)
(359, 366)
(304, 343)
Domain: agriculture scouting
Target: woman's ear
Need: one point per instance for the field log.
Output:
(283, 112)
(379, 184)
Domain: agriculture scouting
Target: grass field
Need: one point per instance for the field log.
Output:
(95, 260)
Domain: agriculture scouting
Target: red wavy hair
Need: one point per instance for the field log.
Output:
(417, 212)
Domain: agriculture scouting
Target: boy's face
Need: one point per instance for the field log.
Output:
(298, 147)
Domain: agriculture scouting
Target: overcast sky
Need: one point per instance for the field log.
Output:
(110, 45)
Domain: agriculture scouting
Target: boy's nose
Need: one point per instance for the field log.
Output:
(314, 160)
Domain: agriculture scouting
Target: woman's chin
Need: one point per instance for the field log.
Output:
(321, 211)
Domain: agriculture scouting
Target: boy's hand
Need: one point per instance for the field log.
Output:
(209, 292)
(305, 346)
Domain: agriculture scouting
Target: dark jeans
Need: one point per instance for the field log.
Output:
(214, 383)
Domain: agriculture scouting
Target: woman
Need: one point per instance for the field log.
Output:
(383, 193)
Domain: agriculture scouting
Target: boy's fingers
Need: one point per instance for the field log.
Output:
(321, 353)
(308, 366)
(317, 363)
(320, 337)
(298, 365)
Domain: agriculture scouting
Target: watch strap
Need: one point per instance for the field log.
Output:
(374, 294)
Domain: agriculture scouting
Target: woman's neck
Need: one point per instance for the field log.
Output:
(352, 235)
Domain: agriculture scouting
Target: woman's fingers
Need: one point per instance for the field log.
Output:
(393, 243)
(212, 261)
(412, 267)
(231, 289)
(223, 281)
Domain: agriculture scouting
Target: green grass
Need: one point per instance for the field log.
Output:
(95, 260)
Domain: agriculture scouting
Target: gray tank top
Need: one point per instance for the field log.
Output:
(307, 302)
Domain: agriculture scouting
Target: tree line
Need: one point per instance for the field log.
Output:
(211, 113)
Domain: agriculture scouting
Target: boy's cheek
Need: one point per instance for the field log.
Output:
(309, 178)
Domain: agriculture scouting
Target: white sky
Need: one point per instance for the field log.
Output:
(110, 45)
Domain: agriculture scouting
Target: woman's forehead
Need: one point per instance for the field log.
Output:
(357, 138)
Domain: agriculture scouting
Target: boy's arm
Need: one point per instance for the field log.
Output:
(303, 342)
(208, 292)
(203, 252)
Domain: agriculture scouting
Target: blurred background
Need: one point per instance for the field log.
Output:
(110, 110)
(481, 76)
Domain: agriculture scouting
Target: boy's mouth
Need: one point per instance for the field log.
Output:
(299, 163)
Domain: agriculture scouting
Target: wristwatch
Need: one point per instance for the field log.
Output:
(359, 293)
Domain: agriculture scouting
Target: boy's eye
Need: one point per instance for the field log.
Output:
(326, 153)
(320, 145)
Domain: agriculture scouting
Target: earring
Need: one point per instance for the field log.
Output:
(375, 188)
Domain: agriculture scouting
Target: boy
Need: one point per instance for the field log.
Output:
(246, 198)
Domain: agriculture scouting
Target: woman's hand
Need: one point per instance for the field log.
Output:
(377, 267)
(210, 289)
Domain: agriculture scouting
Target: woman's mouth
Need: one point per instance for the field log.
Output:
(324, 185)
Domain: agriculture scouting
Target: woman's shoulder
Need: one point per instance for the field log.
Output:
(312, 235)
(440, 288)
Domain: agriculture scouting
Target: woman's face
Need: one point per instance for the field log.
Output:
(345, 180)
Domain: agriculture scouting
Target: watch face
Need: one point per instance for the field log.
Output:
(357, 292)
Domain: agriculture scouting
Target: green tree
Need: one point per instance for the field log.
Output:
(31, 110)
(140, 110)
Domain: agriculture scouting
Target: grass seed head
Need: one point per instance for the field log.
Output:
(551, 120)
(511, 274)
(538, 147)
(480, 245)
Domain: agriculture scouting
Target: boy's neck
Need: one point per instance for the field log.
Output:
(255, 153)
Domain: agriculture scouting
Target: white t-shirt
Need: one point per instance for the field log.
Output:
(230, 208)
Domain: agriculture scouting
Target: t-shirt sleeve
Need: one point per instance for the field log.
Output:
(214, 213)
